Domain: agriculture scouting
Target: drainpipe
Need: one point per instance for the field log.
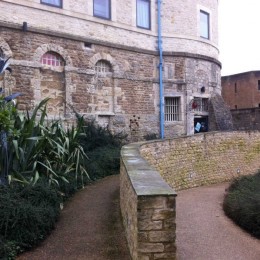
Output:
(160, 71)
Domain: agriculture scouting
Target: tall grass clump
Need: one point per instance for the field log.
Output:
(45, 150)
(242, 203)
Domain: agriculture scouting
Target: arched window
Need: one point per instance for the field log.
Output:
(52, 59)
(103, 66)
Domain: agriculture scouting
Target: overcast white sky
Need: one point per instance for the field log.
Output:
(239, 35)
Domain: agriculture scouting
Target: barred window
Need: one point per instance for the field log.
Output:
(204, 105)
(172, 109)
(200, 104)
(103, 66)
(52, 59)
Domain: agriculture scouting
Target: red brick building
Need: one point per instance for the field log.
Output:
(241, 90)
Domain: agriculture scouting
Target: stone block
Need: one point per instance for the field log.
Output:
(165, 256)
(163, 214)
(149, 225)
(152, 202)
(162, 236)
(150, 247)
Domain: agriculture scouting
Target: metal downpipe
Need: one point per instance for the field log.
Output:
(160, 71)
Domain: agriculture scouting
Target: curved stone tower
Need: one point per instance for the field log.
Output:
(101, 58)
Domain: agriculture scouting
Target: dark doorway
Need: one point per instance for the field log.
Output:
(200, 124)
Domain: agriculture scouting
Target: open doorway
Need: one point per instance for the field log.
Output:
(200, 124)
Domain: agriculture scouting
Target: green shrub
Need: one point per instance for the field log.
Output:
(242, 203)
(151, 136)
(102, 148)
(27, 215)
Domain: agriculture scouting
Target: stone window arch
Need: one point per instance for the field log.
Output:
(52, 84)
(103, 67)
(52, 78)
(53, 59)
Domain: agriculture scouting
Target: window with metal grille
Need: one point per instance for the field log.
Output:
(103, 66)
(200, 104)
(204, 104)
(172, 109)
(52, 59)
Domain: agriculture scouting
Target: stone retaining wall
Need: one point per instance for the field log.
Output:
(148, 208)
(148, 202)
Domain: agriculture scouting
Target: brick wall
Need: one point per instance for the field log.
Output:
(147, 170)
(241, 90)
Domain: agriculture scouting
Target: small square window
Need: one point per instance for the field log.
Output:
(56, 3)
(172, 109)
(102, 9)
(204, 25)
(143, 14)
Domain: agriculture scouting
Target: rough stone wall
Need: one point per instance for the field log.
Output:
(180, 20)
(148, 203)
(129, 91)
(223, 117)
(148, 208)
(125, 99)
(246, 119)
(205, 158)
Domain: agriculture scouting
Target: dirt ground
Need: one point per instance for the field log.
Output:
(89, 228)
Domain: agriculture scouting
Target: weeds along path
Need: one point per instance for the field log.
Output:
(90, 227)
(205, 233)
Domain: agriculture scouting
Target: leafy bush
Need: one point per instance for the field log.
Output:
(242, 203)
(27, 215)
(102, 148)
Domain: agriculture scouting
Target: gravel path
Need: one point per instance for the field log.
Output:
(205, 233)
(90, 228)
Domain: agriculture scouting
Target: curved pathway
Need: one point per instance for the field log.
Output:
(90, 228)
(205, 233)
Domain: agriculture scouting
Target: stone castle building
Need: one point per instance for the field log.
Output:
(138, 66)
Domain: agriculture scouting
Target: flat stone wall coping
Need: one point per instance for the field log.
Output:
(145, 179)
